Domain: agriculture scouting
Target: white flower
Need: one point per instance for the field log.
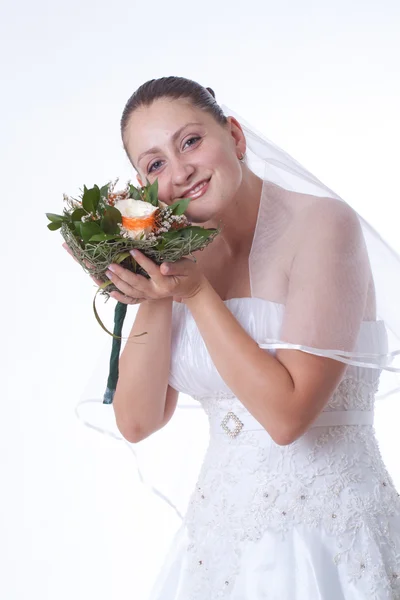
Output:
(137, 216)
(134, 208)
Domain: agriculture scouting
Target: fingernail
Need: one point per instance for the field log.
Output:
(134, 253)
(111, 268)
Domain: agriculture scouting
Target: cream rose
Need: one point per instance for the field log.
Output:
(137, 216)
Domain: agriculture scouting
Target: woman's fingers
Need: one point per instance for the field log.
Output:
(126, 299)
(98, 282)
(148, 265)
(133, 289)
(68, 249)
(126, 281)
(178, 268)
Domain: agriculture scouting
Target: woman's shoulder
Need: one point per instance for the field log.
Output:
(331, 217)
(300, 204)
(320, 213)
(316, 224)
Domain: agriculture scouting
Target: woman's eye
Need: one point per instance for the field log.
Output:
(156, 164)
(151, 168)
(192, 141)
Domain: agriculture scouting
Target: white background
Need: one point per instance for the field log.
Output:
(321, 79)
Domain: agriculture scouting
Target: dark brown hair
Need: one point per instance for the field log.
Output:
(174, 88)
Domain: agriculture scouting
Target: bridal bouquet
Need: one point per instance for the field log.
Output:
(103, 225)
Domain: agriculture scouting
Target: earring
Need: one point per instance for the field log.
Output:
(241, 157)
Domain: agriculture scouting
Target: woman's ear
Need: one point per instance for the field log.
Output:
(237, 135)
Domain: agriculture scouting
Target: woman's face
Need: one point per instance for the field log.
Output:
(190, 154)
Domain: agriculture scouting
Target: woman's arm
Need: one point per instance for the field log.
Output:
(143, 401)
(287, 392)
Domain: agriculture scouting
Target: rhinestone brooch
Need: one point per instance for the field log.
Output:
(238, 424)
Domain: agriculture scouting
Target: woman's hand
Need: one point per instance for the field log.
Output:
(181, 279)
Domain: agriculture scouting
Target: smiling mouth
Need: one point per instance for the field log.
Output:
(197, 190)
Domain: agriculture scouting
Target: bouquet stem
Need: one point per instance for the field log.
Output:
(119, 317)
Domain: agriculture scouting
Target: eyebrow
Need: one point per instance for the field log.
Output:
(174, 137)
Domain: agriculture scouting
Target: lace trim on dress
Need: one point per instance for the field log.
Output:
(332, 478)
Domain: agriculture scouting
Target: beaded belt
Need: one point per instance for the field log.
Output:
(232, 424)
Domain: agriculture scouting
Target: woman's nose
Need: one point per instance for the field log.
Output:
(181, 171)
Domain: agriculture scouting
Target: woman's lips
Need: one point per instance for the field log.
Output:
(198, 190)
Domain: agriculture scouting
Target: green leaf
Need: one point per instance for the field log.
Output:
(134, 192)
(166, 238)
(172, 235)
(120, 257)
(96, 314)
(153, 193)
(198, 231)
(90, 198)
(54, 226)
(111, 218)
(104, 191)
(184, 233)
(78, 214)
(77, 225)
(100, 322)
(179, 207)
(89, 229)
(55, 218)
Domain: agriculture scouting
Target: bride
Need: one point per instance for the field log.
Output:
(274, 330)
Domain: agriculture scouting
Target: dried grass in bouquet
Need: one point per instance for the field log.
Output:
(103, 225)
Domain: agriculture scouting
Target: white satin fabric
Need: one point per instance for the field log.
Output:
(318, 519)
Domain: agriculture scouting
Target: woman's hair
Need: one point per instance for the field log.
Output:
(174, 88)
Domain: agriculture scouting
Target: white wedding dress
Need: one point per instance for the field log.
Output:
(318, 519)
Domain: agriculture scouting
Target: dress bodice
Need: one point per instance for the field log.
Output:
(193, 372)
(331, 480)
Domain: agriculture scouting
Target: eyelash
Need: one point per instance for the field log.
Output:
(195, 137)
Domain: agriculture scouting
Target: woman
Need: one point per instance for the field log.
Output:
(293, 500)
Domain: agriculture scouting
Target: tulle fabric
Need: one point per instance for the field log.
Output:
(344, 263)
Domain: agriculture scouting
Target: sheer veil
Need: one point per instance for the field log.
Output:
(353, 285)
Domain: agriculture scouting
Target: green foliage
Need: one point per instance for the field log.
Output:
(104, 191)
(179, 207)
(196, 230)
(91, 198)
(104, 237)
(54, 226)
(192, 235)
(111, 218)
(134, 193)
(89, 229)
(55, 218)
(78, 214)
(149, 193)
(152, 193)
(123, 256)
